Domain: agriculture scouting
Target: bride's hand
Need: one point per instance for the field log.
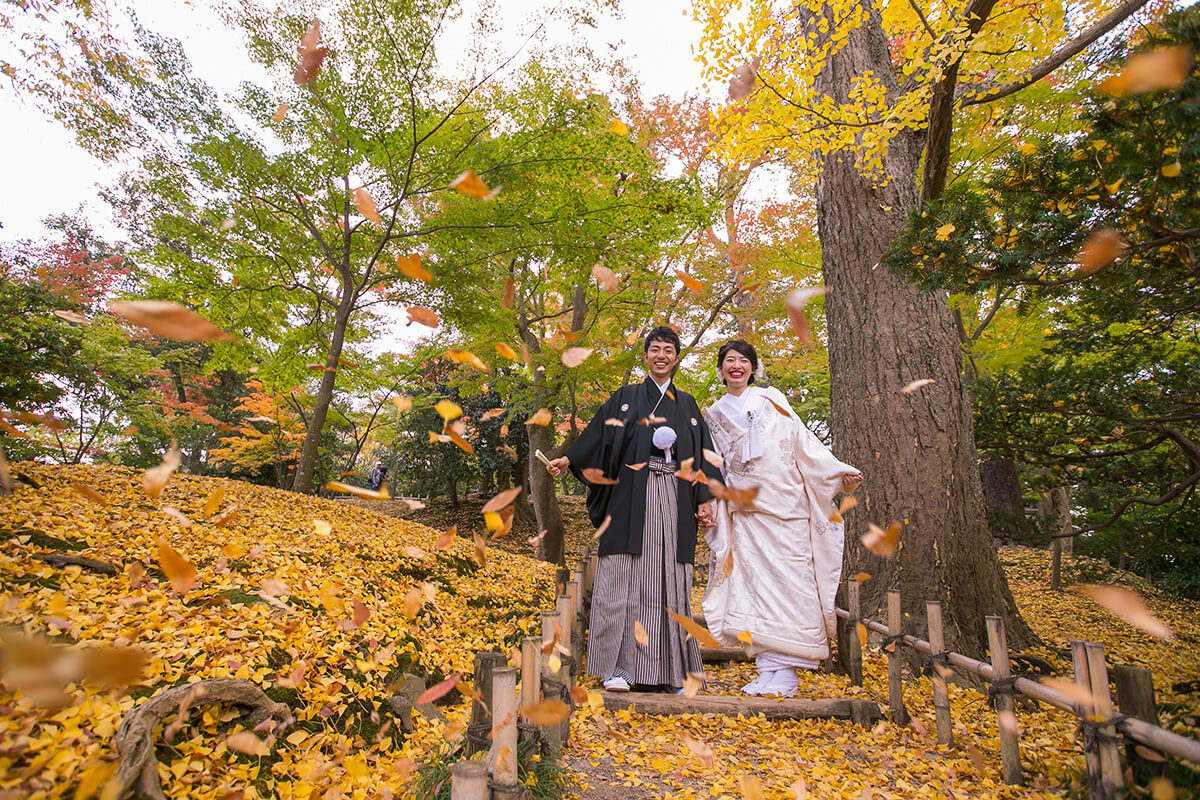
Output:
(850, 483)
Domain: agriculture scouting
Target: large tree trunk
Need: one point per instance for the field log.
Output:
(917, 451)
(1002, 495)
(306, 466)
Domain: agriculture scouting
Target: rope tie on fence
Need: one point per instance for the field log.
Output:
(1091, 731)
(941, 659)
(1002, 686)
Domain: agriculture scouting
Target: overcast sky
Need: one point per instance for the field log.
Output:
(46, 173)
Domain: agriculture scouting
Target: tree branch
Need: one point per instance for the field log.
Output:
(974, 94)
(1116, 516)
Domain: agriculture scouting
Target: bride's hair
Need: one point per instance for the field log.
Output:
(738, 346)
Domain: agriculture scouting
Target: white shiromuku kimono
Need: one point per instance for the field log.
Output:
(786, 553)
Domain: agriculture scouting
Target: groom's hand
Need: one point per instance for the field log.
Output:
(558, 466)
(705, 516)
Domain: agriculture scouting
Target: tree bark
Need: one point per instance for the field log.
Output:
(917, 451)
(306, 466)
(1002, 495)
(544, 500)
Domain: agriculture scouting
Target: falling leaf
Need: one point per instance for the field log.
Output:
(779, 408)
(606, 279)
(1164, 68)
(693, 682)
(492, 413)
(943, 233)
(412, 602)
(467, 357)
(281, 111)
(1081, 695)
(154, 480)
(91, 494)
(311, 56)
(177, 515)
(502, 500)
(616, 423)
(358, 491)
(800, 789)
(422, 315)
(542, 417)
(179, 570)
(412, 551)
(603, 527)
(411, 266)
(1101, 249)
(917, 384)
(695, 629)
(169, 320)
(880, 542)
(697, 747)
(751, 787)
(796, 300)
(847, 504)
(506, 351)
(618, 127)
(365, 204)
(691, 283)
(469, 183)
(727, 564)
(574, 356)
(534, 541)
(247, 742)
(1162, 789)
(402, 403)
(596, 476)
(448, 410)
(1129, 606)
(446, 538)
(71, 316)
(410, 504)
(714, 458)
(510, 290)
(547, 712)
(742, 83)
(480, 550)
(438, 690)
(233, 550)
(639, 634)
(213, 501)
(861, 577)
(321, 528)
(743, 497)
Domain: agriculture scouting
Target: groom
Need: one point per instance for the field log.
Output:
(628, 456)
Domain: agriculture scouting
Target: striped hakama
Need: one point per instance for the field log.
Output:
(632, 588)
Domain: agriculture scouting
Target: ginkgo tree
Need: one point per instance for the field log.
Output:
(869, 97)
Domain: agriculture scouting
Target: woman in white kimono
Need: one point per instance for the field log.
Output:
(776, 561)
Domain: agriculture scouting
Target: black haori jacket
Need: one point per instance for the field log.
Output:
(612, 448)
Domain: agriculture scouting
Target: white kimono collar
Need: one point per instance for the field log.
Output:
(745, 411)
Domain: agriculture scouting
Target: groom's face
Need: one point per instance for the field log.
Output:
(660, 360)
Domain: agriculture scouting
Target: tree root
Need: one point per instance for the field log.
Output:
(134, 741)
(61, 560)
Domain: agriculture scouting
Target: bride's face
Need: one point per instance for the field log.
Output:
(736, 370)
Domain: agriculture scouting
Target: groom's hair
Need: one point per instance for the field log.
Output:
(739, 346)
(663, 334)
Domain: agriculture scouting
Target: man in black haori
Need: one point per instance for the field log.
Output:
(640, 437)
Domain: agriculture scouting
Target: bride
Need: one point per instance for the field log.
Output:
(775, 562)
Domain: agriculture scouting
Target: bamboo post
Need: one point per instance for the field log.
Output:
(551, 680)
(1135, 698)
(1091, 755)
(941, 693)
(895, 661)
(575, 595)
(1010, 756)
(856, 643)
(531, 671)
(504, 735)
(468, 781)
(1111, 780)
(481, 716)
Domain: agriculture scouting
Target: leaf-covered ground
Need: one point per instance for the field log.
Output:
(304, 649)
(312, 648)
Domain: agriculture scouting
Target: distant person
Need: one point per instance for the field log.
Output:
(638, 439)
(776, 564)
(377, 477)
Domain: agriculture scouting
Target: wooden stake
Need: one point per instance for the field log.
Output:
(1010, 756)
(856, 643)
(504, 730)
(468, 781)
(1135, 698)
(941, 692)
(1111, 780)
(1091, 754)
(895, 662)
(548, 620)
(531, 671)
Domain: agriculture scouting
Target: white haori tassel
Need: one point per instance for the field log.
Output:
(753, 447)
(663, 439)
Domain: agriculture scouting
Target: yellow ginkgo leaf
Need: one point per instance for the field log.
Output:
(943, 233)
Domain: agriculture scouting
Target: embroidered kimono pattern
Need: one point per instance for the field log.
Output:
(775, 566)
